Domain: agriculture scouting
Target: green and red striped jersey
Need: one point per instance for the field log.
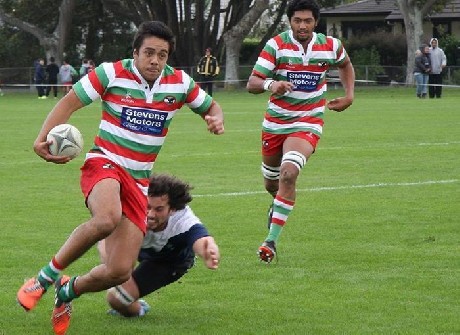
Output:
(136, 118)
(284, 58)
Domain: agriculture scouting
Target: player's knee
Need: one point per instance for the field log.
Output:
(289, 176)
(118, 275)
(106, 224)
(271, 176)
(291, 164)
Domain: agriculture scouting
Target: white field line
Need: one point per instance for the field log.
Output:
(336, 188)
(257, 151)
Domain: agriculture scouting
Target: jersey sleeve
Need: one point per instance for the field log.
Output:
(196, 98)
(196, 232)
(92, 86)
(266, 62)
(340, 51)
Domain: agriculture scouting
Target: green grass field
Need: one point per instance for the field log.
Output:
(372, 246)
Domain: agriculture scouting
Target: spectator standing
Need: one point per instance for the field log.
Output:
(40, 78)
(52, 71)
(85, 67)
(420, 73)
(438, 63)
(425, 67)
(208, 68)
(92, 65)
(66, 73)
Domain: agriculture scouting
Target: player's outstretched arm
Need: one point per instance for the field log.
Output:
(215, 119)
(347, 78)
(59, 114)
(208, 250)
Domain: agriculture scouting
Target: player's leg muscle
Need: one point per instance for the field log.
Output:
(105, 206)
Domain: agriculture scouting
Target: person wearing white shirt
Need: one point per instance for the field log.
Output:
(438, 63)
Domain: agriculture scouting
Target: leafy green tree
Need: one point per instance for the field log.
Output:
(48, 21)
(17, 48)
(451, 46)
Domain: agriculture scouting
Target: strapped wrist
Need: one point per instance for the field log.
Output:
(268, 83)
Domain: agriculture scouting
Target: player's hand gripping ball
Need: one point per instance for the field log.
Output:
(66, 139)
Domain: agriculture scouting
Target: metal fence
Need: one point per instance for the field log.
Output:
(22, 77)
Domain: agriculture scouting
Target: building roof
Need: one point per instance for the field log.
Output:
(388, 8)
(367, 7)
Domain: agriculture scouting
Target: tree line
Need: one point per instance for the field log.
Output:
(102, 30)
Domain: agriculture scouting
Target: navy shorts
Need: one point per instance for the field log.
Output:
(151, 275)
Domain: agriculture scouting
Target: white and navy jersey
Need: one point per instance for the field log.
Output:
(175, 243)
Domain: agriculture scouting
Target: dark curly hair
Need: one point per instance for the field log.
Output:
(295, 5)
(157, 29)
(178, 191)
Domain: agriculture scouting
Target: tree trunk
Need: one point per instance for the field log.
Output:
(233, 39)
(62, 30)
(53, 44)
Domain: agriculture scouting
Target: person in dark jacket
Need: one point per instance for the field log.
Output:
(208, 68)
(40, 77)
(422, 69)
(52, 70)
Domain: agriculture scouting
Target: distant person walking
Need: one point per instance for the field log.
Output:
(92, 65)
(438, 63)
(52, 71)
(40, 77)
(85, 68)
(66, 73)
(208, 68)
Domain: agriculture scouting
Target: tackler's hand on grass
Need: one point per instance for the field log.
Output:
(211, 256)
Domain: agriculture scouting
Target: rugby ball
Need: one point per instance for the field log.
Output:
(66, 140)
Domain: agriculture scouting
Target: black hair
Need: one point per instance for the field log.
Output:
(296, 5)
(177, 191)
(157, 29)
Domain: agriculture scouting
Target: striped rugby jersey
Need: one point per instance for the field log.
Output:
(135, 119)
(283, 58)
